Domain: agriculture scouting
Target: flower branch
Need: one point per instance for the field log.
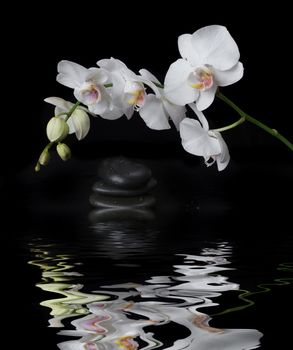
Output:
(209, 61)
(254, 121)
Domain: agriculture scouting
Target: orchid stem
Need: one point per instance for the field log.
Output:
(231, 126)
(73, 108)
(254, 121)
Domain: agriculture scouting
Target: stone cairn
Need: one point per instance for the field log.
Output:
(124, 186)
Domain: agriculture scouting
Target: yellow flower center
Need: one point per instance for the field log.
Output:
(137, 98)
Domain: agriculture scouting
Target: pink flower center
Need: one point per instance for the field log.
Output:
(137, 98)
(91, 94)
(202, 78)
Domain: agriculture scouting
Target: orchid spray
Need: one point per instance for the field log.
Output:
(209, 60)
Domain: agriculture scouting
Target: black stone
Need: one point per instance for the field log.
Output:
(105, 189)
(124, 173)
(100, 201)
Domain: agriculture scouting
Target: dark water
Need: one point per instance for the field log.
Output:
(211, 267)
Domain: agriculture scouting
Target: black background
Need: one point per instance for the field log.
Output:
(143, 35)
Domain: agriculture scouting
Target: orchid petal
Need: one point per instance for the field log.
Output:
(201, 117)
(187, 50)
(177, 113)
(80, 122)
(111, 64)
(71, 74)
(112, 114)
(228, 77)
(153, 113)
(177, 88)
(63, 105)
(97, 75)
(150, 80)
(216, 47)
(148, 76)
(196, 140)
(224, 157)
(206, 98)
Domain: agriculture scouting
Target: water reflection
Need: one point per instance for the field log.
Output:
(55, 274)
(137, 315)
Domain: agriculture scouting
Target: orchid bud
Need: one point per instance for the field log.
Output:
(63, 151)
(37, 167)
(44, 157)
(57, 129)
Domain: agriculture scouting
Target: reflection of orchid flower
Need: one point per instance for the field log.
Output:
(121, 323)
(55, 273)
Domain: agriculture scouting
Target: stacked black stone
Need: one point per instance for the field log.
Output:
(123, 184)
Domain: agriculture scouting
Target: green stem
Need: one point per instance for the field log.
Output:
(73, 108)
(254, 121)
(231, 126)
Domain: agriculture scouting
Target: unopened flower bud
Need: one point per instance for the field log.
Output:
(37, 167)
(44, 157)
(64, 151)
(57, 129)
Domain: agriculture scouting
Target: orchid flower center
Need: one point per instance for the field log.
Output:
(135, 94)
(91, 94)
(201, 78)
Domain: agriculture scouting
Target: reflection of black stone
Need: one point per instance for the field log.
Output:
(98, 200)
(122, 191)
(118, 214)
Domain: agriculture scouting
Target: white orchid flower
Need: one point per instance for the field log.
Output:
(79, 122)
(210, 58)
(157, 109)
(88, 85)
(197, 139)
(128, 92)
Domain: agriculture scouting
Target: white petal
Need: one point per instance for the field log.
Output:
(97, 76)
(112, 114)
(228, 77)
(177, 113)
(196, 140)
(187, 50)
(224, 157)
(153, 113)
(111, 64)
(128, 111)
(148, 76)
(216, 47)
(200, 115)
(150, 80)
(59, 102)
(117, 91)
(206, 98)
(70, 124)
(81, 123)
(71, 74)
(177, 88)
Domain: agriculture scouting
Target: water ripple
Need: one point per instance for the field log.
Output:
(136, 315)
